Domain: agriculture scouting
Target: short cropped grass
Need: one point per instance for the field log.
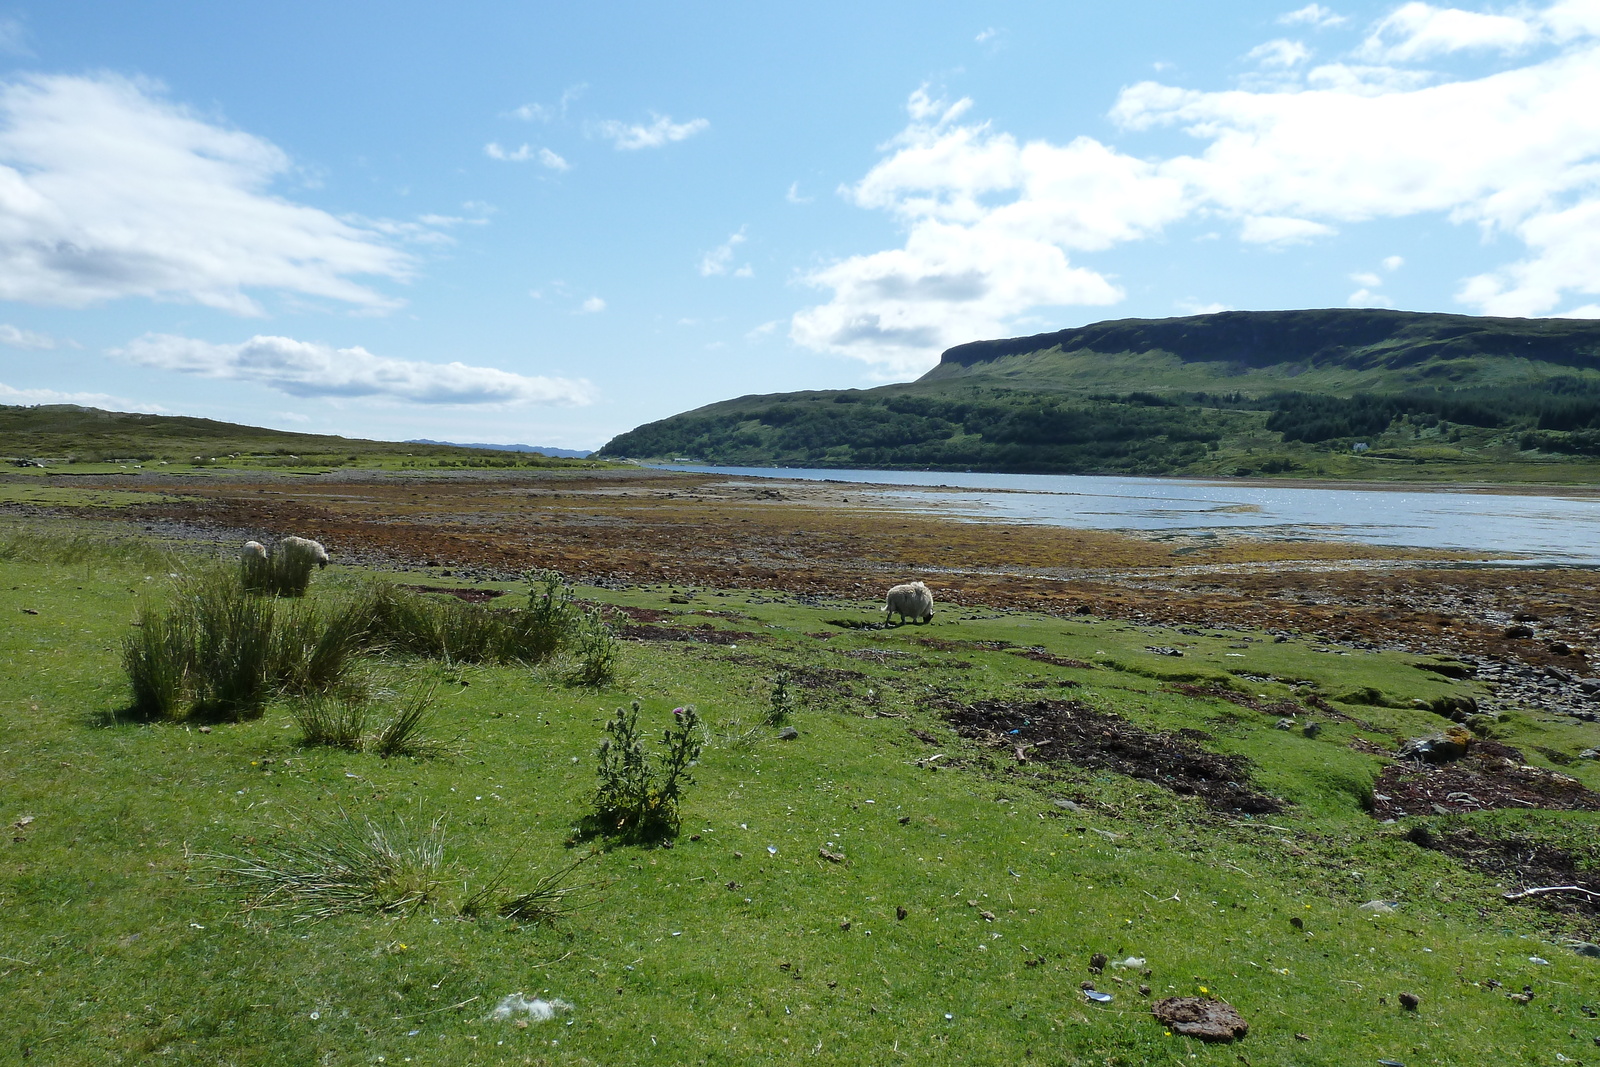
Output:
(952, 922)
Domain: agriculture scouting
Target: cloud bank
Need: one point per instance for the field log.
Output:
(996, 229)
(109, 190)
(309, 369)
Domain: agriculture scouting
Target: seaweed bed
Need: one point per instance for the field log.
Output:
(1490, 776)
(1068, 731)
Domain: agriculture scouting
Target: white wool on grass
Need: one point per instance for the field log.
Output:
(537, 1009)
(252, 551)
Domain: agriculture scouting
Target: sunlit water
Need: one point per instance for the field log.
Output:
(1550, 529)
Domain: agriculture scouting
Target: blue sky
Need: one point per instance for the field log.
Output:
(550, 223)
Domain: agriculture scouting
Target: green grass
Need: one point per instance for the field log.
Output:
(117, 946)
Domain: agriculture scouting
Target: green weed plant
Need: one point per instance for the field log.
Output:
(638, 796)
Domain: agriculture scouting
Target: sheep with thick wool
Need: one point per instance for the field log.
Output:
(910, 601)
(254, 565)
(285, 569)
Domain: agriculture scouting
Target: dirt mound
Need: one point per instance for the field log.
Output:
(1070, 732)
(1490, 776)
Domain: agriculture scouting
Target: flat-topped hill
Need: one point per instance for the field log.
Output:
(1337, 393)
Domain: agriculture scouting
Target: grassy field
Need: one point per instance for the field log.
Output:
(955, 925)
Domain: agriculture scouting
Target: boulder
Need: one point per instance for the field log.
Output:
(1443, 747)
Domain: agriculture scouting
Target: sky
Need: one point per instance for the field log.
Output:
(549, 223)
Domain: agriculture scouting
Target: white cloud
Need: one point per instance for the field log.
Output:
(1421, 31)
(794, 197)
(720, 258)
(1280, 53)
(1366, 278)
(548, 112)
(108, 190)
(524, 153)
(661, 130)
(996, 229)
(14, 337)
(986, 35)
(591, 306)
(520, 155)
(1311, 15)
(1195, 307)
(309, 369)
(766, 329)
(1362, 298)
(18, 397)
(1393, 263)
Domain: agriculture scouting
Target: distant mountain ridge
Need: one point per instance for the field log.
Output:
(543, 450)
(1234, 393)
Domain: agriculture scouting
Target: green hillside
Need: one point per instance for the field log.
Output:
(1333, 393)
(59, 435)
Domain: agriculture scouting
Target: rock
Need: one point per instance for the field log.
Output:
(1311, 729)
(1589, 753)
(1201, 1017)
(1587, 948)
(1482, 725)
(1559, 648)
(900, 913)
(1454, 708)
(1410, 1001)
(1097, 962)
(1513, 633)
(1438, 748)
(831, 857)
(788, 733)
(1589, 685)
(1283, 724)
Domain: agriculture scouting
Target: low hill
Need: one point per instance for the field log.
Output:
(66, 433)
(1323, 393)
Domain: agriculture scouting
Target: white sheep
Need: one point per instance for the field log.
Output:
(910, 601)
(292, 560)
(254, 565)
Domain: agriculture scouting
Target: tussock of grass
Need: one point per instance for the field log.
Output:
(329, 865)
(330, 722)
(549, 898)
(458, 632)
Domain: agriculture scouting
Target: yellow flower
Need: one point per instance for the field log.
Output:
(1203, 989)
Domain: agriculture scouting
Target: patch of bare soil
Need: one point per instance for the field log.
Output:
(700, 635)
(471, 596)
(1039, 655)
(1522, 863)
(1489, 776)
(1066, 731)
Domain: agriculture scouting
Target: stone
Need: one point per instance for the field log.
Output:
(1201, 1017)
(788, 733)
(1438, 748)
(1513, 633)
(1410, 1001)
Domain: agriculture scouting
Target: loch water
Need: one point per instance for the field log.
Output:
(1528, 525)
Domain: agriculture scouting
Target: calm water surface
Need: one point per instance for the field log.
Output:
(1549, 529)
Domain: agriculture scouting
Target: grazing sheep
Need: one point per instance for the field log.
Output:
(292, 560)
(254, 565)
(910, 601)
